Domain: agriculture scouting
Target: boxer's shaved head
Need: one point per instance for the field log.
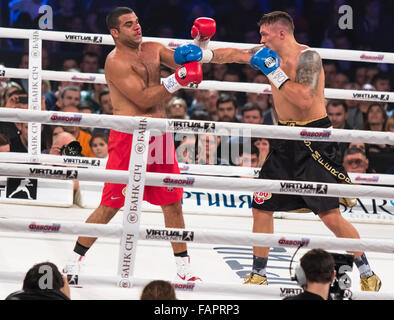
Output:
(278, 16)
(113, 17)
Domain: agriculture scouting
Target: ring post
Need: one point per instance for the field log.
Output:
(133, 203)
(34, 128)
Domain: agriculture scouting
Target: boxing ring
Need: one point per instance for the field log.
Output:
(31, 234)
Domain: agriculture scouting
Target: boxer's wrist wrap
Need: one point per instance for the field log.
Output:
(278, 77)
(207, 56)
(171, 84)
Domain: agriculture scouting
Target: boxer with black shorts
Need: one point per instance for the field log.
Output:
(297, 80)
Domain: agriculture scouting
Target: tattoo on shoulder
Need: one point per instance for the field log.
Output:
(254, 49)
(309, 69)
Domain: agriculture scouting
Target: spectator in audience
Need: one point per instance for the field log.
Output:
(176, 109)
(359, 145)
(212, 98)
(376, 118)
(372, 71)
(20, 142)
(252, 113)
(90, 63)
(106, 106)
(4, 143)
(84, 107)
(355, 160)
(186, 149)
(260, 98)
(337, 113)
(249, 158)
(263, 145)
(70, 96)
(360, 75)
(82, 137)
(99, 145)
(8, 90)
(219, 71)
(92, 97)
(355, 117)
(227, 108)
(69, 63)
(340, 80)
(158, 290)
(318, 268)
(43, 281)
(330, 71)
(60, 140)
(381, 82)
(207, 150)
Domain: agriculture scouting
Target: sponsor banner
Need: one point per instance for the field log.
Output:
(66, 119)
(294, 242)
(54, 173)
(190, 126)
(233, 203)
(44, 227)
(375, 57)
(2, 72)
(304, 188)
(133, 204)
(325, 134)
(371, 96)
(173, 235)
(82, 161)
(83, 79)
(34, 191)
(83, 38)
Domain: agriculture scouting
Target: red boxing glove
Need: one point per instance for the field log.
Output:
(189, 74)
(202, 31)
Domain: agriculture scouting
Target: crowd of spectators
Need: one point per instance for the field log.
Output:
(319, 30)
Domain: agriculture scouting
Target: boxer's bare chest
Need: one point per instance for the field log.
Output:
(147, 65)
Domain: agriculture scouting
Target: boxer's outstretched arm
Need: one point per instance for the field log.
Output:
(132, 86)
(302, 90)
(232, 55)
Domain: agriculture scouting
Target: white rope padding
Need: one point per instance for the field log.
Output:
(159, 126)
(86, 280)
(202, 182)
(17, 157)
(106, 39)
(329, 93)
(198, 235)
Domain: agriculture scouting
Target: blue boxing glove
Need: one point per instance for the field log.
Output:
(267, 61)
(187, 53)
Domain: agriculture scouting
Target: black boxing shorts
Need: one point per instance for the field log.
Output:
(302, 160)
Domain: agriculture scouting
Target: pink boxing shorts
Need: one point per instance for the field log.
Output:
(161, 158)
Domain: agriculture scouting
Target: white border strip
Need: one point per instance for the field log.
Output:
(106, 39)
(159, 126)
(203, 182)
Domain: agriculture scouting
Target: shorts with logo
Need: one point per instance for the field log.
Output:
(302, 160)
(161, 158)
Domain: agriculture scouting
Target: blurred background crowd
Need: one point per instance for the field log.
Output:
(316, 25)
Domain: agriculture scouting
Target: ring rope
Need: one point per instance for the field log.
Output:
(329, 93)
(209, 170)
(157, 126)
(207, 236)
(202, 182)
(106, 39)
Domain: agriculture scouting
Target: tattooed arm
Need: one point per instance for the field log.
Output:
(232, 55)
(304, 88)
